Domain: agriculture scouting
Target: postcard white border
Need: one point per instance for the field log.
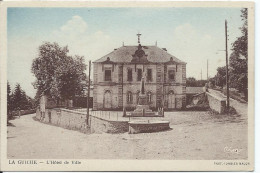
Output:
(128, 165)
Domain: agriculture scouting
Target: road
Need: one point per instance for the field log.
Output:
(194, 135)
(241, 108)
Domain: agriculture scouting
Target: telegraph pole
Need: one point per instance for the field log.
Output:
(227, 77)
(87, 118)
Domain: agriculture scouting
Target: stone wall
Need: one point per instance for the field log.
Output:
(64, 118)
(99, 125)
(216, 103)
(74, 120)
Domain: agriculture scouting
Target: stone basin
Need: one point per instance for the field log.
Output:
(148, 126)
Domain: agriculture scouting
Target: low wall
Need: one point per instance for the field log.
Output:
(64, 118)
(99, 125)
(216, 103)
(75, 120)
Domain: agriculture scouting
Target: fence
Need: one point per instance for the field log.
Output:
(107, 115)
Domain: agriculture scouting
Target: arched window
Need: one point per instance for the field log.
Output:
(129, 97)
(149, 97)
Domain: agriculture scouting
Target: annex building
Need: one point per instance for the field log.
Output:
(117, 78)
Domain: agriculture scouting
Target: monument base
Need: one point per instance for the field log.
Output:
(148, 126)
(140, 114)
(140, 108)
(142, 111)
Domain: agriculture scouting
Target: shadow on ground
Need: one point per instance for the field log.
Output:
(10, 124)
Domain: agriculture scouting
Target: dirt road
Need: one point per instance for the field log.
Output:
(241, 108)
(193, 136)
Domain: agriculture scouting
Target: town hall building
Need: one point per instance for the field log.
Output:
(117, 78)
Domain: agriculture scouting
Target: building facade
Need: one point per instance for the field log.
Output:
(117, 78)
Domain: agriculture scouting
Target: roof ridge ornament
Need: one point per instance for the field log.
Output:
(138, 35)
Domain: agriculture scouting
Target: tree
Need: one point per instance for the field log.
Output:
(192, 82)
(212, 82)
(221, 76)
(18, 99)
(239, 58)
(241, 44)
(57, 74)
(8, 98)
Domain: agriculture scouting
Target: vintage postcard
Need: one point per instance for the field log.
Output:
(127, 86)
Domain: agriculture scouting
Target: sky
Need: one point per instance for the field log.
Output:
(192, 35)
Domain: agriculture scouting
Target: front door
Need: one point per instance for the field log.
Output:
(171, 101)
(107, 100)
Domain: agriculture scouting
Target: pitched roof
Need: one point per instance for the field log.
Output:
(125, 54)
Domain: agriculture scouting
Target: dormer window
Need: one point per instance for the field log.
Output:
(171, 75)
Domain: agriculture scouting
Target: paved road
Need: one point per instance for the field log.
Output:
(194, 135)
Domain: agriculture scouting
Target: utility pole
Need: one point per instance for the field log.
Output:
(122, 86)
(227, 77)
(87, 118)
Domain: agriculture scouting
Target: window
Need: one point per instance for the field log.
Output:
(129, 75)
(137, 97)
(149, 74)
(107, 75)
(139, 74)
(129, 97)
(171, 75)
(149, 94)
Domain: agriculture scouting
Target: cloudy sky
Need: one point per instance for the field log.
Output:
(191, 34)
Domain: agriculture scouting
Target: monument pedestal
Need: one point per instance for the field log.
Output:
(142, 109)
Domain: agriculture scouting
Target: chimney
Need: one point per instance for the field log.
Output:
(164, 49)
